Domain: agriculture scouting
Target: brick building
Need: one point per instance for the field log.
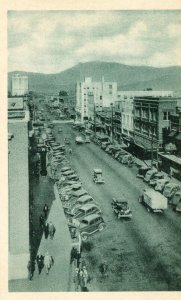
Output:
(151, 122)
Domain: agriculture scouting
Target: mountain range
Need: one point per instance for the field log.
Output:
(127, 77)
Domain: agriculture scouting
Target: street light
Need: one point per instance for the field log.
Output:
(111, 122)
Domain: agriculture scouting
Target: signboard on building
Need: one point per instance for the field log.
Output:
(15, 103)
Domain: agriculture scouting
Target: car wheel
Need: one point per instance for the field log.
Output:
(84, 237)
(101, 227)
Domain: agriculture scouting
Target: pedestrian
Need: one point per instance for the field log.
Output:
(73, 255)
(85, 276)
(51, 229)
(31, 269)
(83, 279)
(76, 279)
(42, 221)
(40, 262)
(45, 210)
(46, 230)
(70, 151)
(47, 262)
(103, 269)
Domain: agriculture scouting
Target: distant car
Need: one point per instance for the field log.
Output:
(97, 176)
(87, 139)
(79, 140)
(89, 225)
(60, 129)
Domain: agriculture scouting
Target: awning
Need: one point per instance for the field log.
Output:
(178, 137)
(172, 134)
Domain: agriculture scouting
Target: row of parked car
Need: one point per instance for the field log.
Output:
(162, 183)
(84, 215)
(115, 151)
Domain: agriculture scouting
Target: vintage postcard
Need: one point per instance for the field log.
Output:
(91, 149)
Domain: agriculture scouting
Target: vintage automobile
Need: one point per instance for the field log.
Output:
(89, 225)
(65, 169)
(84, 211)
(142, 171)
(176, 198)
(170, 189)
(73, 177)
(120, 155)
(79, 140)
(150, 174)
(127, 159)
(153, 200)
(155, 178)
(120, 208)
(105, 144)
(161, 183)
(109, 147)
(87, 139)
(97, 176)
(71, 199)
(82, 201)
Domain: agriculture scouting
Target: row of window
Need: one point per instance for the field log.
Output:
(145, 128)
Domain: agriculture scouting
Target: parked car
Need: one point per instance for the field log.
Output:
(170, 189)
(119, 154)
(105, 144)
(161, 183)
(150, 174)
(82, 201)
(142, 171)
(87, 139)
(126, 159)
(108, 147)
(79, 140)
(176, 198)
(84, 211)
(155, 178)
(101, 139)
(89, 225)
(97, 176)
(73, 177)
(153, 200)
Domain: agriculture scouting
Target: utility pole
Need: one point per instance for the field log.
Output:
(94, 119)
(111, 122)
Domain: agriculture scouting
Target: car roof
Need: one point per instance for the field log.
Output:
(76, 185)
(91, 217)
(87, 206)
(80, 192)
(84, 198)
(97, 171)
(65, 168)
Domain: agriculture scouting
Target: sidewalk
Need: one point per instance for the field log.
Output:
(60, 247)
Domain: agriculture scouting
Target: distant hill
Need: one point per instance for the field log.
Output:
(127, 77)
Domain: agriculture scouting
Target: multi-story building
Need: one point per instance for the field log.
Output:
(125, 104)
(151, 121)
(101, 93)
(18, 183)
(19, 85)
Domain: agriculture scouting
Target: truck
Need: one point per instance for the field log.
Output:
(154, 201)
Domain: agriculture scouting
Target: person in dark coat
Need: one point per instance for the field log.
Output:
(73, 255)
(45, 210)
(31, 269)
(46, 230)
(42, 221)
(40, 262)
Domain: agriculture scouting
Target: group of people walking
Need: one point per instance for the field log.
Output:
(45, 260)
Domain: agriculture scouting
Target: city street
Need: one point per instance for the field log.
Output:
(142, 253)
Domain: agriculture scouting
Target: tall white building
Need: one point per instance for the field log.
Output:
(100, 93)
(19, 85)
(125, 104)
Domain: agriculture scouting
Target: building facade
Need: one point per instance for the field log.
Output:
(100, 93)
(125, 104)
(18, 184)
(19, 85)
(151, 121)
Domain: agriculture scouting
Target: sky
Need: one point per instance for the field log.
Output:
(53, 41)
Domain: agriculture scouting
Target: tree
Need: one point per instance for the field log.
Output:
(63, 93)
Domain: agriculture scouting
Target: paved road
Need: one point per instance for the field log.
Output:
(143, 253)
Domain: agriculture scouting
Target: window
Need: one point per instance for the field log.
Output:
(110, 86)
(110, 92)
(166, 115)
(100, 97)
